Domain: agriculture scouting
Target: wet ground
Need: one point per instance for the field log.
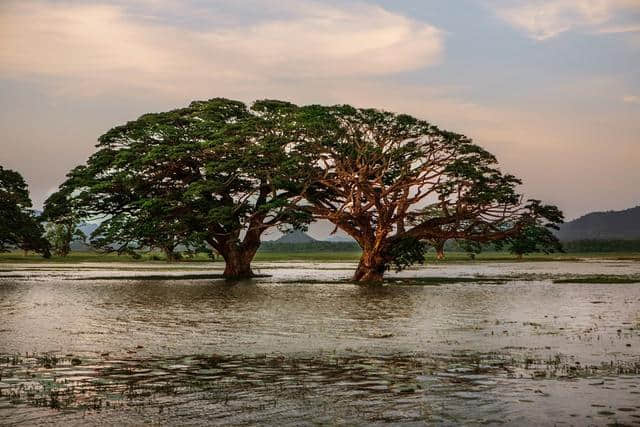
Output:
(469, 343)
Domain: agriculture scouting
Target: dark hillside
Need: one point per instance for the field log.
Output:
(621, 225)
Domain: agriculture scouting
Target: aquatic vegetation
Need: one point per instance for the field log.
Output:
(278, 387)
(434, 281)
(599, 279)
(157, 277)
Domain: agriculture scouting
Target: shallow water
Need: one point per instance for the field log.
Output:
(112, 344)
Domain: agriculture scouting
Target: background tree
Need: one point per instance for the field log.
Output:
(63, 218)
(19, 227)
(533, 238)
(471, 248)
(145, 231)
(61, 236)
(438, 245)
(214, 171)
(394, 182)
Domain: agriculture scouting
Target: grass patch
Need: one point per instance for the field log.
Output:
(78, 257)
(158, 277)
(316, 256)
(410, 281)
(598, 279)
(435, 281)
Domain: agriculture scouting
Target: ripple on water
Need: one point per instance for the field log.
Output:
(276, 388)
(523, 351)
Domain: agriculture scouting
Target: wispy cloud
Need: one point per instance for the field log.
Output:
(631, 99)
(545, 19)
(620, 29)
(101, 46)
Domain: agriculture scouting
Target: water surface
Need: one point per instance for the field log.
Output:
(120, 344)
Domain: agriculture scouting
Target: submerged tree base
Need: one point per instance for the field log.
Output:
(368, 276)
(237, 273)
(237, 264)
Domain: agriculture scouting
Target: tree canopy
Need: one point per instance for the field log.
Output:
(395, 183)
(19, 227)
(214, 172)
(219, 173)
(532, 238)
(63, 218)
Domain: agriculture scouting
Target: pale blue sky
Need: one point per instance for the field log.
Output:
(552, 87)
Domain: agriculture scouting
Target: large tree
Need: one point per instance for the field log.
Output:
(19, 226)
(63, 220)
(215, 172)
(395, 183)
(438, 245)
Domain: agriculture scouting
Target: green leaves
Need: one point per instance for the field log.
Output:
(406, 252)
(218, 173)
(19, 227)
(535, 232)
(206, 172)
(13, 191)
(532, 238)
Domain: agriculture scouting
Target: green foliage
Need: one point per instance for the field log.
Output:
(19, 227)
(394, 182)
(60, 236)
(535, 239)
(471, 248)
(406, 252)
(535, 235)
(63, 215)
(213, 175)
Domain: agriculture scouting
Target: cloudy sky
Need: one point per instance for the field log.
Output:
(552, 87)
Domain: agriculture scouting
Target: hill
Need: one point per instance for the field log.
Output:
(339, 238)
(298, 241)
(611, 225)
(295, 236)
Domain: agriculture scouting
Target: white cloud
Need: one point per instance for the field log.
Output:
(102, 46)
(544, 19)
(620, 29)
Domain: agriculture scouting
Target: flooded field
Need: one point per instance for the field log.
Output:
(471, 343)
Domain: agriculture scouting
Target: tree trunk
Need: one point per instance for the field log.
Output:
(237, 262)
(168, 252)
(237, 266)
(237, 254)
(66, 247)
(65, 250)
(440, 250)
(370, 269)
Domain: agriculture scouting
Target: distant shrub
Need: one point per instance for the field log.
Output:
(602, 245)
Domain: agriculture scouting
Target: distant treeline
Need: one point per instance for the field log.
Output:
(310, 247)
(576, 246)
(612, 245)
